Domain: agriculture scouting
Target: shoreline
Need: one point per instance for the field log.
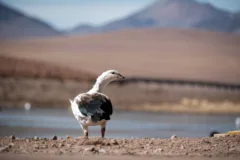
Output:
(168, 109)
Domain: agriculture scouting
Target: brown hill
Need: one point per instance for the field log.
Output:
(159, 53)
(15, 67)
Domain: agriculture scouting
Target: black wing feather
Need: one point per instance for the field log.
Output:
(98, 109)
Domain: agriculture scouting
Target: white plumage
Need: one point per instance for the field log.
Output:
(95, 108)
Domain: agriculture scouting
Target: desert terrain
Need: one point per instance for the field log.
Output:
(60, 68)
(161, 53)
(196, 148)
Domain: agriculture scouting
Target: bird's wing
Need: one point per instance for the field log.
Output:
(96, 105)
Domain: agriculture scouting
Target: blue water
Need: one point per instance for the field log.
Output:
(43, 122)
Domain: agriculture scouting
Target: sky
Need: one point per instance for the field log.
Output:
(66, 14)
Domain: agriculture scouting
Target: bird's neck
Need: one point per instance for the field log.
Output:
(99, 86)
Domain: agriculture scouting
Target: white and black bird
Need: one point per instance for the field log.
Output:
(93, 107)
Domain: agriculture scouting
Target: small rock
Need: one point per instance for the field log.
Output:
(53, 145)
(68, 137)
(35, 138)
(10, 145)
(54, 137)
(114, 142)
(60, 145)
(59, 152)
(107, 144)
(3, 149)
(145, 152)
(69, 145)
(158, 150)
(151, 142)
(173, 137)
(43, 147)
(27, 140)
(36, 146)
(89, 149)
(182, 147)
(102, 151)
(12, 137)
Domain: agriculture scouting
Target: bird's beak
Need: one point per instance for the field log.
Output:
(121, 76)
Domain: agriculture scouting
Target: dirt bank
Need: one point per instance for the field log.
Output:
(173, 147)
(15, 92)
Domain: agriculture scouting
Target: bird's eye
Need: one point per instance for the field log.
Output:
(114, 73)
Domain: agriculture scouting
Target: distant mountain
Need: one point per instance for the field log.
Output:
(173, 14)
(236, 22)
(84, 29)
(14, 24)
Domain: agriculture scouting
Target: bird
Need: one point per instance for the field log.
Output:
(94, 108)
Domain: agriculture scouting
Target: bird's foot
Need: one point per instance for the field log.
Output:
(85, 135)
(103, 132)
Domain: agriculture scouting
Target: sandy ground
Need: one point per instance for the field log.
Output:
(159, 53)
(77, 157)
(198, 148)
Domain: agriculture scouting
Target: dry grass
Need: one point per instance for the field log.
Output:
(159, 53)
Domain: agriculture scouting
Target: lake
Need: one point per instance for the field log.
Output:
(44, 122)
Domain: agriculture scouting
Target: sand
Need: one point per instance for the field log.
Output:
(198, 148)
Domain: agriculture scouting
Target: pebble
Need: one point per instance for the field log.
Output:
(173, 137)
(69, 145)
(53, 145)
(158, 150)
(60, 145)
(68, 137)
(44, 147)
(107, 143)
(3, 149)
(10, 144)
(36, 146)
(102, 151)
(59, 152)
(114, 142)
(182, 147)
(27, 140)
(12, 137)
(54, 137)
(89, 149)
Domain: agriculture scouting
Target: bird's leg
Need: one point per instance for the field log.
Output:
(103, 128)
(85, 131)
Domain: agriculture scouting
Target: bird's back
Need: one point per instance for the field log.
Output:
(97, 106)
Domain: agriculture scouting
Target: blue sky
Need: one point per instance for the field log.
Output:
(59, 13)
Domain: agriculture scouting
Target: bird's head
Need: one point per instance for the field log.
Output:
(110, 75)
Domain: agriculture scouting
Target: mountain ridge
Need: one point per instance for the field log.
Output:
(173, 14)
(14, 24)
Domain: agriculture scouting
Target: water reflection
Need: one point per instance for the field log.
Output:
(47, 122)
